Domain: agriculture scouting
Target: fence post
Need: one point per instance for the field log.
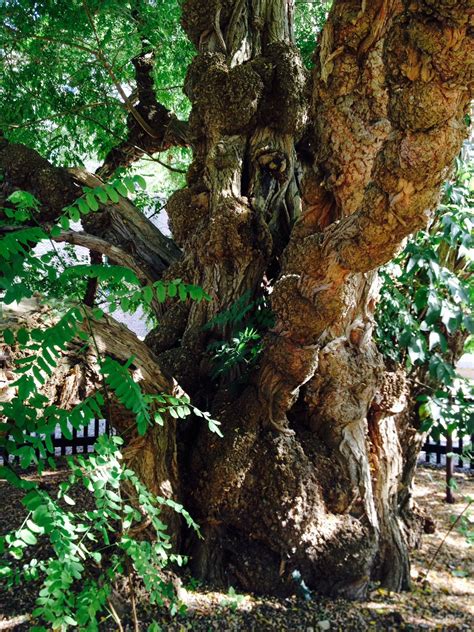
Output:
(449, 468)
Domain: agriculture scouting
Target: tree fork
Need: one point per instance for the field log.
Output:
(314, 471)
(266, 500)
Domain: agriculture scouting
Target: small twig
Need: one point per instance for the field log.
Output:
(136, 624)
(115, 616)
(163, 164)
(157, 211)
(430, 565)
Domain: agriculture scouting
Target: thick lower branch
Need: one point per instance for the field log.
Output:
(314, 297)
(116, 255)
(122, 225)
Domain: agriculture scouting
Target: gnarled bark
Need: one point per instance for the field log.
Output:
(308, 185)
(320, 496)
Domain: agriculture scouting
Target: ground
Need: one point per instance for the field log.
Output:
(443, 601)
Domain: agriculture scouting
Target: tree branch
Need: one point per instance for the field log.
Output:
(121, 224)
(167, 129)
(96, 244)
(314, 298)
(108, 67)
(350, 104)
(129, 228)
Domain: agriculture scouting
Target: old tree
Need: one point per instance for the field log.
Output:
(309, 170)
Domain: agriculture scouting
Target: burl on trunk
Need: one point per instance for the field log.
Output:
(310, 184)
(301, 186)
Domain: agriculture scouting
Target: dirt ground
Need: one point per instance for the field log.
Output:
(445, 601)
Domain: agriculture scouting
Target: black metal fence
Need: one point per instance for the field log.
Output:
(434, 452)
(80, 442)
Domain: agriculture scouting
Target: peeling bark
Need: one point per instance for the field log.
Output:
(310, 195)
(378, 165)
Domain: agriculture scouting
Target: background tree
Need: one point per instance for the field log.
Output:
(302, 183)
(424, 317)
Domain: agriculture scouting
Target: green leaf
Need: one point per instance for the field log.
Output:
(64, 221)
(84, 207)
(92, 202)
(148, 294)
(125, 304)
(9, 337)
(112, 193)
(182, 292)
(121, 188)
(214, 427)
(32, 500)
(74, 213)
(140, 181)
(27, 537)
(160, 289)
(129, 184)
(102, 195)
(32, 526)
(22, 336)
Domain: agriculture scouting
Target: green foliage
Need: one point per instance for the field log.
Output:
(64, 276)
(310, 17)
(243, 348)
(148, 408)
(233, 599)
(89, 548)
(67, 106)
(426, 307)
(243, 324)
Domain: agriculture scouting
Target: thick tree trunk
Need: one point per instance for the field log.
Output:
(311, 474)
(307, 184)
